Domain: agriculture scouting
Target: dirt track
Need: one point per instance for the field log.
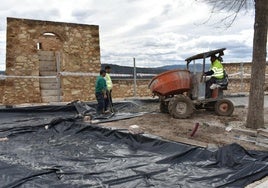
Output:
(211, 132)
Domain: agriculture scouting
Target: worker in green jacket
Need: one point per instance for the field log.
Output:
(100, 92)
(216, 72)
(109, 83)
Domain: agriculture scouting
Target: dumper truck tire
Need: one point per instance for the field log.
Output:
(224, 107)
(180, 107)
(164, 107)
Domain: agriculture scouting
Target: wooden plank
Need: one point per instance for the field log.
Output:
(47, 73)
(45, 63)
(48, 68)
(58, 70)
(50, 99)
(47, 80)
(49, 92)
(46, 56)
(50, 86)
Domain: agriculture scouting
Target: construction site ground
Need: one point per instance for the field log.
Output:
(213, 131)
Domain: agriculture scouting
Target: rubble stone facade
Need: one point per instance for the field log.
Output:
(77, 46)
(125, 88)
(239, 77)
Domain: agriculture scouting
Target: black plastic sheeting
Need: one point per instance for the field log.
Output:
(42, 115)
(55, 148)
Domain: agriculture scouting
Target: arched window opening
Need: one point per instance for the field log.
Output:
(49, 34)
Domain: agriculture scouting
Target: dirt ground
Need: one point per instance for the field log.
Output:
(213, 131)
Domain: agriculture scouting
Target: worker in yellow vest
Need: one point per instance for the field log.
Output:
(216, 72)
(109, 84)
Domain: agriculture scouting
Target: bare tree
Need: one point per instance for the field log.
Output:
(231, 7)
(255, 116)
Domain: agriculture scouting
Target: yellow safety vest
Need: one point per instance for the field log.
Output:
(217, 69)
(109, 82)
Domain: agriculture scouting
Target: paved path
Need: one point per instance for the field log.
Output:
(243, 101)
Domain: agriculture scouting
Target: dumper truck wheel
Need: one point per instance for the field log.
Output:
(224, 107)
(164, 107)
(180, 107)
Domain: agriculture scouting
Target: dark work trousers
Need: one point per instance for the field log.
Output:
(101, 102)
(211, 81)
(108, 100)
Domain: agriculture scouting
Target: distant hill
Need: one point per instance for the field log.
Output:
(118, 69)
(199, 67)
(170, 67)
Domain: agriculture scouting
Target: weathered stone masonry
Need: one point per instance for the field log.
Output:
(239, 77)
(28, 41)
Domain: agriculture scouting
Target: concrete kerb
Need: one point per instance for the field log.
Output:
(263, 183)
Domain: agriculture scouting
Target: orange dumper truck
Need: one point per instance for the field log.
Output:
(183, 91)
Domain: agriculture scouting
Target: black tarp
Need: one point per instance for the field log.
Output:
(51, 146)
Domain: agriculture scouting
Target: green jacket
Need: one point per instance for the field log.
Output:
(100, 85)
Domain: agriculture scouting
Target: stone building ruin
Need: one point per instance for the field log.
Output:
(38, 51)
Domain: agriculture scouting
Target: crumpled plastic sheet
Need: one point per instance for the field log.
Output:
(40, 115)
(67, 152)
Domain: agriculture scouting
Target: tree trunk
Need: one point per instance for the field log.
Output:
(255, 116)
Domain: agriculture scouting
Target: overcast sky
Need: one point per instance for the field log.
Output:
(155, 32)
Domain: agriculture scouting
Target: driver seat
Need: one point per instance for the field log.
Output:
(221, 83)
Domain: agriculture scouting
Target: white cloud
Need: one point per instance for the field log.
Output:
(155, 32)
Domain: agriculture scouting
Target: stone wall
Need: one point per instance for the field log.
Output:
(239, 77)
(125, 88)
(2, 89)
(77, 44)
(78, 88)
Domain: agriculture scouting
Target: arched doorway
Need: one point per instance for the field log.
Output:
(49, 48)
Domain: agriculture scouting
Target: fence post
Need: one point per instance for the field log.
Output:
(241, 76)
(135, 77)
(58, 76)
